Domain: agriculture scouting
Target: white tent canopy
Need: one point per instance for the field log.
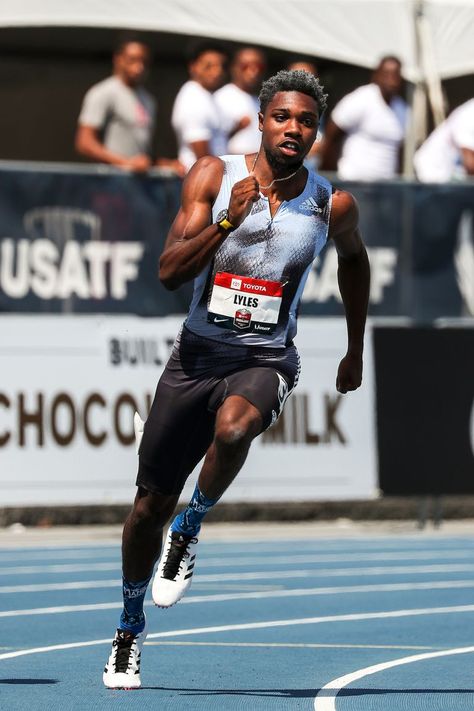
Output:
(354, 31)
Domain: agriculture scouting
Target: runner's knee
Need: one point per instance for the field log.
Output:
(152, 508)
(236, 429)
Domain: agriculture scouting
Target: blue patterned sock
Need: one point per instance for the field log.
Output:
(133, 617)
(189, 521)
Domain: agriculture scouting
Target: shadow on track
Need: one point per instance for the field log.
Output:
(300, 693)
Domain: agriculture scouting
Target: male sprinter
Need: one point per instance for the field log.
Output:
(248, 231)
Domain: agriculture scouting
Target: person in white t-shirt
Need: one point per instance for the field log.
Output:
(195, 117)
(448, 152)
(238, 101)
(367, 127)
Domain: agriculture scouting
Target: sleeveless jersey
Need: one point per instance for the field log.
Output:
(250, 292)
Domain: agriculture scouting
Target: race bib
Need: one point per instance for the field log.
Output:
(245, 304)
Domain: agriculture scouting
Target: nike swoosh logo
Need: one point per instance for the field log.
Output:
(218, 320)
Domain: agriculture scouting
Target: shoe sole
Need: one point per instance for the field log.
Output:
(172, 604)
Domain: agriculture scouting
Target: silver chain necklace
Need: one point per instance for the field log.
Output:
(275, 180)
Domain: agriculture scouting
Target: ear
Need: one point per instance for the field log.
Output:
(260, 121)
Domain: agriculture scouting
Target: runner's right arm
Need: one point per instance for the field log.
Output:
(192, 240)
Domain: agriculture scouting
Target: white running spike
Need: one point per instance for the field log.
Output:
(175, 570)
(122, 670)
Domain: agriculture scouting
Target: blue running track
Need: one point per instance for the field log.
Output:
(323, 624)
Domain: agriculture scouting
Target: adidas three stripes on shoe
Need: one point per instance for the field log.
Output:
(175, 569)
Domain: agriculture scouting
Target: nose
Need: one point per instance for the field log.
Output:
(139, 67)
(292, 128)
(253, 70)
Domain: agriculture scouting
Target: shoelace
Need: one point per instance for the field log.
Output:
(122, 657)
(178, 550)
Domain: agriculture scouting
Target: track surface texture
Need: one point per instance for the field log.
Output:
(322, 617)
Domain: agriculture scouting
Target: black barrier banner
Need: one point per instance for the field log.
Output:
(90, 242)
(425, 410)
(421, 249)
(86, 243)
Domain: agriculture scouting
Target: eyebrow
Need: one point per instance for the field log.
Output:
(303, 113)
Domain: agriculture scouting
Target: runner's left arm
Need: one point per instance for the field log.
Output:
(354, 284)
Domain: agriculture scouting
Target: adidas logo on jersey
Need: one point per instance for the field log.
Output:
(311, 205)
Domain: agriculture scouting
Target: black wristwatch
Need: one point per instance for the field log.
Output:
(222, 220)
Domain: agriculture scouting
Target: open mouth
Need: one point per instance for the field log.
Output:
(289, 148)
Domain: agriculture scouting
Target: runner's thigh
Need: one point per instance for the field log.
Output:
(177, 434)
(264, 387)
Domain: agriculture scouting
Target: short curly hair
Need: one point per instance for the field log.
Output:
(296, 80)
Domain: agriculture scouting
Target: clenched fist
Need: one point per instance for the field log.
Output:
(243, 195)
(349, 374)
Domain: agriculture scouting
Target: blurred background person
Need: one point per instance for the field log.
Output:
(448, 152)
(365, 132)
(196, 118)
(312, 160)
(117, 117)
(304, 65)
(238, 101)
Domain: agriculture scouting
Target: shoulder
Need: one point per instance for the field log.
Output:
(224, 92)
(184, 92)
(463, 113)
(225, 100)
(468, 108)
(365, 90)
(352, 106)
(359, 94)
(368, 94)
(208, 164)
(344, 212)
(193, 97)
(105, 87)
(193, 89)
(204, 178)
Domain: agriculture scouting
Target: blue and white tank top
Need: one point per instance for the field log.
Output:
(249, 294)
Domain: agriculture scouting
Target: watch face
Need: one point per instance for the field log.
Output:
(222, 215)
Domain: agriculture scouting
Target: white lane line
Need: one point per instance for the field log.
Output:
(62, 568)
(48, 587)
(102, 584)
(59, 553)
(257, 595)
(110, 550)
(458, 609)
(326, 698)
(262, 575)
(256, 561)
(286, 645)
(337, 572)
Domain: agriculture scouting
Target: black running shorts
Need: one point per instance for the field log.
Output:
(199, 376)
